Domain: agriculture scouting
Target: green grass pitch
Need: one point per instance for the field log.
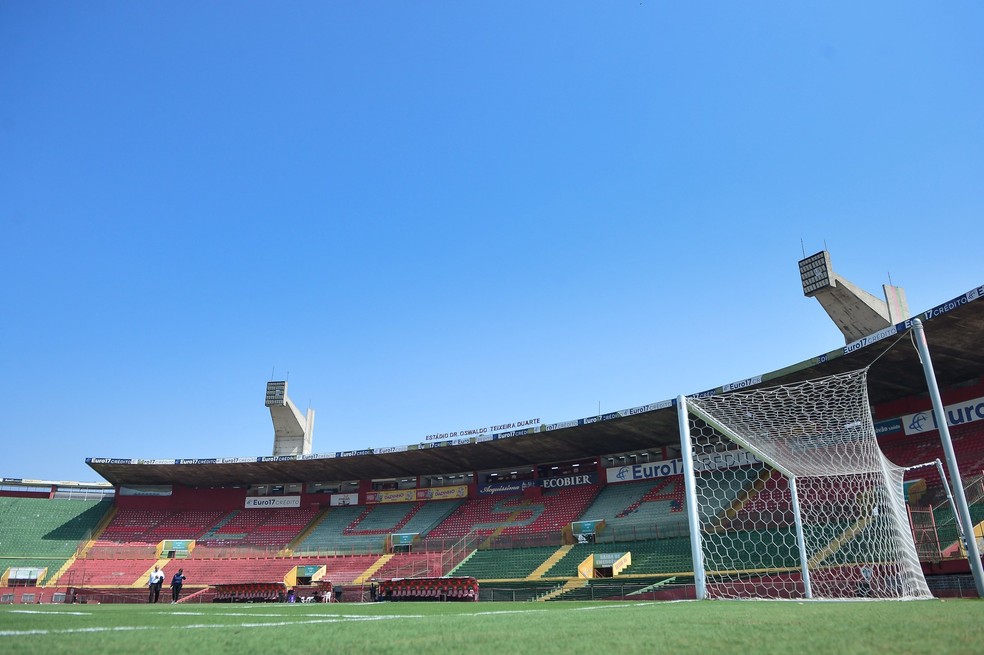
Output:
(568, 628)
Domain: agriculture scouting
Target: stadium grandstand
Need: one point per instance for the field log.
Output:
(590, 508)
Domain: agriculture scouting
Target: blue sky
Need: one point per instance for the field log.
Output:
(438, 216)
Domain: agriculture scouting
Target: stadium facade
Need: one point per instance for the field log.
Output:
(590, 507)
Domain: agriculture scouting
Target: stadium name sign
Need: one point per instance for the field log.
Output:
(725, 460)
(527, 423)
(967, 411)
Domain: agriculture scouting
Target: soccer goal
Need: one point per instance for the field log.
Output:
(789, 495)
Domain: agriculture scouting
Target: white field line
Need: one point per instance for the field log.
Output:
(503, 612)
(24, 633)
(204, 626)
(281, 616)
(288, 620)
(50, 612)
(614, 606)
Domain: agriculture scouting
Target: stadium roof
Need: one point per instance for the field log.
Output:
(954, 331)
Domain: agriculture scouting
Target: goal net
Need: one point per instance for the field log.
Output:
(789, 495)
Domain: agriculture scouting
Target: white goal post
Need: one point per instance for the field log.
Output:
(817, 511)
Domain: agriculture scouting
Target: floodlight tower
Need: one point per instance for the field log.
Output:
(292, 432)
(855, 311)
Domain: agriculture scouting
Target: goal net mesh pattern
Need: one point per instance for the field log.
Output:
(757, 452)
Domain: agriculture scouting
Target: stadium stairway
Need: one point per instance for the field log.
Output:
(53, 580)
(613, 499)
(569, 586)
(515, 590)
(744, 496)
(414, 565)
(96, 532)
(214, 530)
(956, 549)
(549, 562)
(105, 573)
(514, 516)
(505, 564)
(142, 580)
(655, 493)
(371, 571)
(328, 535)
(836, 543)
(303, 534)
(463, 561)
(46, 533)
(195, 595)
(383, 518)
(566, 566)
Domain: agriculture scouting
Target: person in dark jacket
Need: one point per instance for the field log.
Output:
(176, 583)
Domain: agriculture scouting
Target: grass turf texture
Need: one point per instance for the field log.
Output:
(568, 628)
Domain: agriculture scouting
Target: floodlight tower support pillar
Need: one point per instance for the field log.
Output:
(956, 483)
(687, 454)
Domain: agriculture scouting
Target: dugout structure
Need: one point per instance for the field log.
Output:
(816, 511)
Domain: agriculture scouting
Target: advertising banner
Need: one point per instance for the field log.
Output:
(888, 427)
(355, 453)
(741, 384)
(648, 408)
(967, 411)
(562, 425)
(411, 495)
(443, 493)
(396, 496)
(723, 460)
(568, 481)
(146, 490)
(341, 500)
(318, 456)
(272, 502)
(505, 487)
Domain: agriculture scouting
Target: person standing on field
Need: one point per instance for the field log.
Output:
(155, 584)
(176, 583)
